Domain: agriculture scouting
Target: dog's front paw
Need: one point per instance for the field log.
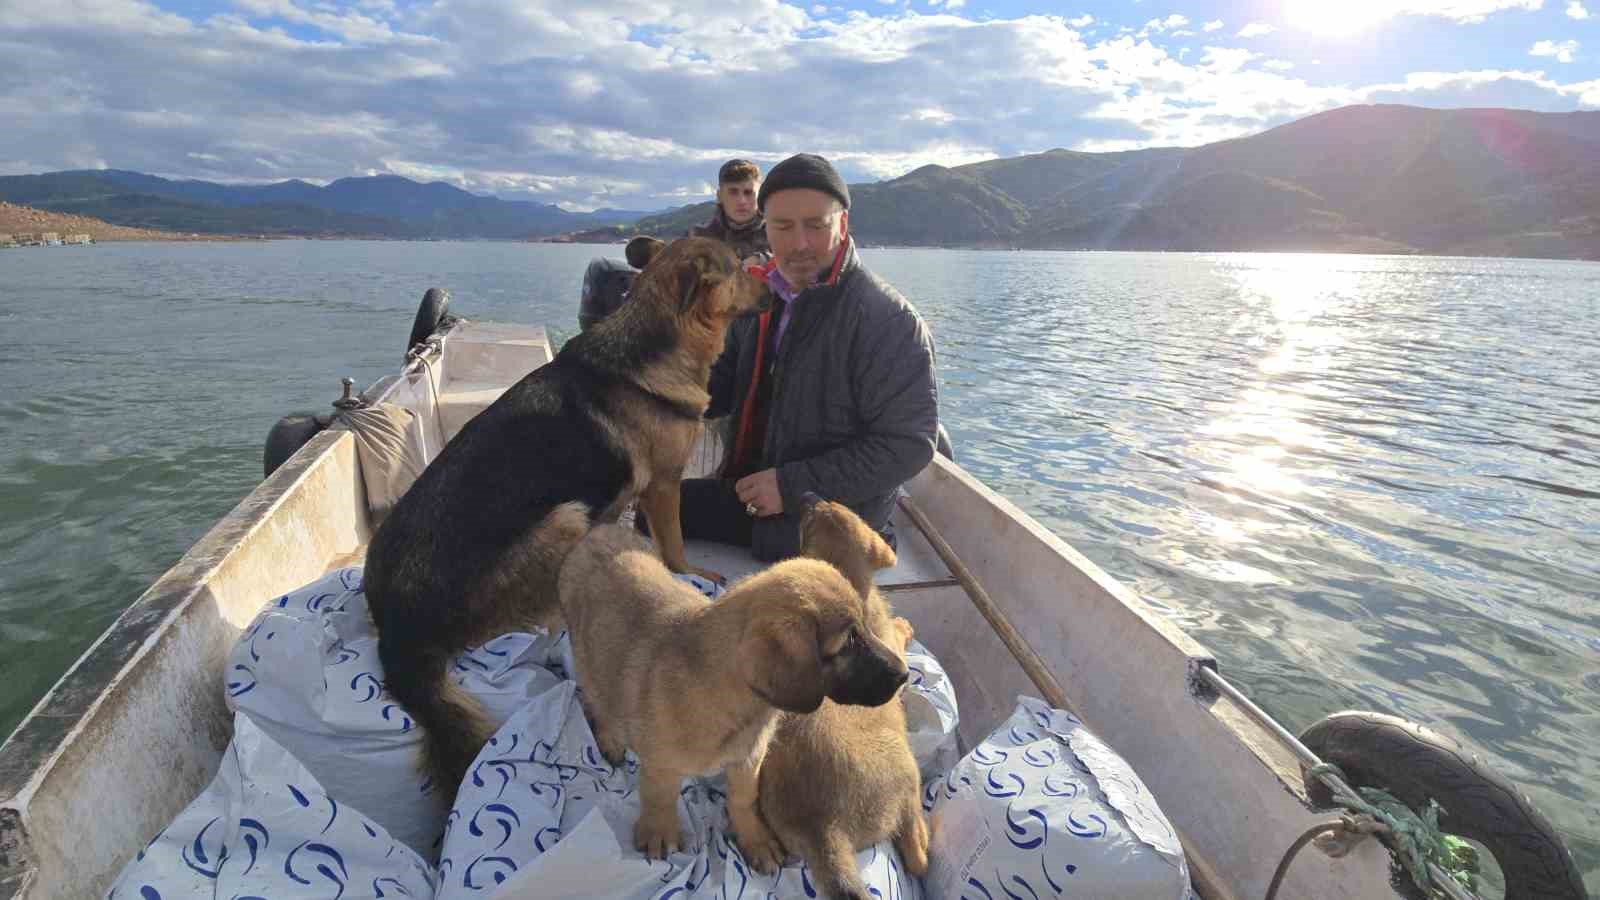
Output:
(657, 839)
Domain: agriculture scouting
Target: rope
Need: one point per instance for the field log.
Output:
(1415, 839)
(421, 356)
(1294, 848)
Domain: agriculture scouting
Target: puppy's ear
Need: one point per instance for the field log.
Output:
(641, 250)
(779, 660)
(878, 550)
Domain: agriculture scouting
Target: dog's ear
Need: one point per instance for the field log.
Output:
(641, 250)
(689, 277)
(779, 659)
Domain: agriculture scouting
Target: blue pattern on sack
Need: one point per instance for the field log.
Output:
(319, 855)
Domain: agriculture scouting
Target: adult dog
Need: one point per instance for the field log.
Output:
(694, 686)
(474, 548)
(843, 778)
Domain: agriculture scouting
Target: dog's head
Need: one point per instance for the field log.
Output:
(808, 638)
(833, 533)
(696, 277)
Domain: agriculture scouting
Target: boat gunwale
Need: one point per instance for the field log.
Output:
(49, 731)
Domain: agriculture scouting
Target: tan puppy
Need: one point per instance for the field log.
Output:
(695, 686)
(843, 778)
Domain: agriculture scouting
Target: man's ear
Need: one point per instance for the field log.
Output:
(641, 250)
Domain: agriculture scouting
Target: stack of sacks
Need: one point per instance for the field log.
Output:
(1043, 808)
(542, 814)
(319, 791)
(266, 828)
(306, 672)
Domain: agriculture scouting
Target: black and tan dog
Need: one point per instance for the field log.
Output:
(843, 778)
(695, 686)
(474, 548)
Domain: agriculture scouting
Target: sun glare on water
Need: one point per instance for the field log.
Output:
(1329, 18)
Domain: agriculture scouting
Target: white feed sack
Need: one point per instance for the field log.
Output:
(265, 828)
(307, 673)
(1043, 808)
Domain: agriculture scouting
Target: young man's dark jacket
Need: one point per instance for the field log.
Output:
(746, 240)
(854, 409)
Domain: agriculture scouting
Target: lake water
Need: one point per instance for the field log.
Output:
(1368, 482)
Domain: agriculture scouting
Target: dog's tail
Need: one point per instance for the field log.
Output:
(454, 725)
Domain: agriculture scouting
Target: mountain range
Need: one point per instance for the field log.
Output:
(374, 206)
(1386, 178)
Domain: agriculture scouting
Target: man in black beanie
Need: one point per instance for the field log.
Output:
(830, 393)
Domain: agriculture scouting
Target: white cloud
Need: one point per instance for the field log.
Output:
(1464, 12)
(1156, 26)
(1576, 10)
(1083, 21)
(631, 103)
(1562, 51)
(1255, 29)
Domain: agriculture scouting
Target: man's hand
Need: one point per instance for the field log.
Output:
(759, 493)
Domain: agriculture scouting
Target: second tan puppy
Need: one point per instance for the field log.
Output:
(843, 778)
(694, 686)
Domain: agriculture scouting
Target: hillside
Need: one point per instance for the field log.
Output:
(26, 220)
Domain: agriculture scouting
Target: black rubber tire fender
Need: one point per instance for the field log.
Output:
(289, 434)
(430, 315)
(1416, 764)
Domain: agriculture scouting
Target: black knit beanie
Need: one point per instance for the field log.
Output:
(803, 170)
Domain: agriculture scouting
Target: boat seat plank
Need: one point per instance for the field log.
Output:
(916, 565)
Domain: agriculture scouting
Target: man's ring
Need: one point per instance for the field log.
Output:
(750, 509)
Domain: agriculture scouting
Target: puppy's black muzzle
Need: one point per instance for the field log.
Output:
(873, 679)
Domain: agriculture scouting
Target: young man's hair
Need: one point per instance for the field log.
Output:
(736, 171)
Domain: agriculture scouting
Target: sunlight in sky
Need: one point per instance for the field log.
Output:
(1336, 19)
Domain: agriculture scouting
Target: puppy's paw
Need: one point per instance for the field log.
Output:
(761, 849)
(656, 840)
(912, 842)
(714, 577)
(614, 751)
(903, 633)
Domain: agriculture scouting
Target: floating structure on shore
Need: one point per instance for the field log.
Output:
(43, 239)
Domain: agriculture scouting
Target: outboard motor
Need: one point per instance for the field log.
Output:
(605, 286)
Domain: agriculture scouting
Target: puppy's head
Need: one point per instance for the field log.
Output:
(809, 638)
(834, 534)
(696, 277)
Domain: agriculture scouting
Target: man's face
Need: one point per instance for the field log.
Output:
(805, 228)
(738, 199)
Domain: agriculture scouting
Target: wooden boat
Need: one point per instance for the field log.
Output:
(135, 730)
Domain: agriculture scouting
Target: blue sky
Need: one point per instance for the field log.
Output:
(634, 103)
